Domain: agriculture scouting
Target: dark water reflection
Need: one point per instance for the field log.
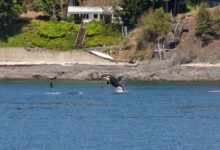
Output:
(89, 115)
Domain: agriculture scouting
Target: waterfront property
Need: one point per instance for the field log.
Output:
(86, 14)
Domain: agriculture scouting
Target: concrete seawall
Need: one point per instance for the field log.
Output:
(22, 55)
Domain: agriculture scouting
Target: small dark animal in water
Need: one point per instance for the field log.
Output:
(51, 82)
(114, 82)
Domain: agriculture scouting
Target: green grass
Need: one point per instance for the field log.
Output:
(57, 35)
(100, 34)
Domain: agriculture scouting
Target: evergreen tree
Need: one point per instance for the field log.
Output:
(10, 9)
(131, 10)
(204, 25)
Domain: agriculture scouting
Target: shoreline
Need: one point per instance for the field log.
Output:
(20, 63)
(93, 72)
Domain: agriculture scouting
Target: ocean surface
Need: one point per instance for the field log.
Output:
(92, 116)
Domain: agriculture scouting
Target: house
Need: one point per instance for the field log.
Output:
(86, 14)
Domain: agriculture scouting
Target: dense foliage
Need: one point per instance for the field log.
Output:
(10, 9)
(216, 23)
(50, 35)
(53, 8)
(153, 25)
(131, 10)
(204, 25)
(55, 30)
(57, 35)
(156, 23)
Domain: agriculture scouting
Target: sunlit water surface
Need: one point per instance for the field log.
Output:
(91, 116)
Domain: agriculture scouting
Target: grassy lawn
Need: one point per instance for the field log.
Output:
(100, 34)
(57, 35)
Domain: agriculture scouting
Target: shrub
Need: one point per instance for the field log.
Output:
(54, 29)
(70, 19)
(204, 25)
(95, 28)
(216, 24)
(156, 23)
(100, 34)
(50, 35)
(38, 5)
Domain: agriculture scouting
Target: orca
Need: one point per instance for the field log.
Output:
(114, 82)
(51, 81)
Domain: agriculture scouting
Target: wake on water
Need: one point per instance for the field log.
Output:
(52, 93)
(217, 91)
(59, 93)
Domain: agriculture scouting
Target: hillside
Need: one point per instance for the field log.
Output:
(190, 48)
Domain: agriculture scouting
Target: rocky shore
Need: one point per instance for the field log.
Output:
(84, 66)
(148, 71)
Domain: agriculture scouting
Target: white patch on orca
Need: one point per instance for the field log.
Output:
(119, 89)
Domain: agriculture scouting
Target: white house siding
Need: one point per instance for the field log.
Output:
(88, 13)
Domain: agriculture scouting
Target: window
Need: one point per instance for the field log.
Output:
(95, 16)
(76, 15)
(101, 16)
(86, 16)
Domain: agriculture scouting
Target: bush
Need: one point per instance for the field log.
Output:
(216, 24)
(50, 35)
(156, 24)
(100, 34)
(55, 29)
(95, 28)
(38, 5)
(70, 19)
(57, 35)
(204, 25)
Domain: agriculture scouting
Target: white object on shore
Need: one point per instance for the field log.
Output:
(202, 65)
(103, 55)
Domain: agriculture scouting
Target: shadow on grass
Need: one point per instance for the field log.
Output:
(10, 30)
(43, 18)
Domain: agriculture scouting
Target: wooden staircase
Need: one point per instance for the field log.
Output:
(160, 51)
(172, 39)
(80, 37)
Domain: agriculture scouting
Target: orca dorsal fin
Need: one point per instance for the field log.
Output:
(119, 78)
(107, 82)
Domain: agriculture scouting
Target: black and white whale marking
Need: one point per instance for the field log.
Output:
(114, 82)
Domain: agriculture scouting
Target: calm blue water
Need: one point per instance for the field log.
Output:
(91, 116)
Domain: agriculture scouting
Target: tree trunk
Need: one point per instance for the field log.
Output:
(166, 6)
(153, 4)
(53, 10)
(61, 9)
(175, 7)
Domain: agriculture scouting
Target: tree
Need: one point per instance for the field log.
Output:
(156, 23)
(204, 25)
(53, 8)
(10, 9)
(131, 10)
